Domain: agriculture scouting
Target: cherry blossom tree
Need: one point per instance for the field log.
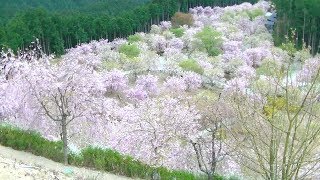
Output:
(210, 143)
(58, 95)
(154, 129)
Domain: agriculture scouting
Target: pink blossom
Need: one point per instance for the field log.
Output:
(155, 129)
(158, 43)
(236, 86)
(165, 25)
(175, 84)
(309, 70)
(192, 80)
(137, 94)
(254, 56)
(149, 83)
(246, 72)
(199, 9)
(176, 43)
(116, 80)
(232, 46)
(208, 11)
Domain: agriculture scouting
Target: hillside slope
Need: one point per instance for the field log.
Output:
(22, 165)
(59, 31)
(9, 9)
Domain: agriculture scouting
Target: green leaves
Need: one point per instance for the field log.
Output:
(191, 65)
(211, 41)
(178, 32)
(30, 142)
(134, 38)
(130, 50)
(254, 13)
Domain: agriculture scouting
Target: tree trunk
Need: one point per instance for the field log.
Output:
(64, 140)
(214, 156)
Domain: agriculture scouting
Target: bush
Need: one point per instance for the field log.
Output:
(191, 65)
(178, 32)
(180, 19)
(234, 178)
(31, 142)
(289, 47)
(109, 65)
(254, 13)
(134, 38)
(211, 41)
(97, 158)
(130, 50)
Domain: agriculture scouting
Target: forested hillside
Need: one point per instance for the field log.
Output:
(9, 8)
(63, 24)
(303, 16)
(59, 31)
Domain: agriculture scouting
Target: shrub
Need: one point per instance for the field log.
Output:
(130, 50)
(178, 32)
(180, 19)
(134, 38)
(211, 41)
(109, 65)
(254, 13)
(234, 178)
(31, 142)
(289, 47)
(191, 65)
(228, 16)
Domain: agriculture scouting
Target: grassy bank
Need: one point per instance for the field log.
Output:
(91, 157)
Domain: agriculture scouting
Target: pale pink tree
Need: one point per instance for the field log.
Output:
(192, 80)
(212, 144)
(154, 129)
(149, 83)
(56, 96)
(165, 25)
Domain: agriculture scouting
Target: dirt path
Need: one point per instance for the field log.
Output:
(21, 165)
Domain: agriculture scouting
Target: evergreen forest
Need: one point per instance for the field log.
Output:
(88, 20)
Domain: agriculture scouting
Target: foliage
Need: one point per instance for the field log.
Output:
(134, 38)
(178, 32)
(210, 40)
(109, 65)
(254, 13)
(191, 65)
(146, 93)
(130, 50)
(180, 19)
(110, 7)
(289, 47)
(31, 142)
(301, 16)
(65, 24)
(276, 104)
(286, 121)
